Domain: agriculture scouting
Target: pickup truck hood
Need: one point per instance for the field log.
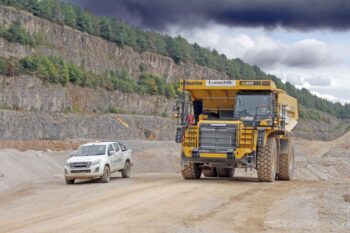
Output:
(77, 159)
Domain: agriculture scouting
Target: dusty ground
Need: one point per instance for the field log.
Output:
(34, 197)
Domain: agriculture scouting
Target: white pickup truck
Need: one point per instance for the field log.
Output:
(98, 160)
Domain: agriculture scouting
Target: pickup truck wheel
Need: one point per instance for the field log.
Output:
(127, 169)
(105, 178)
(69, 181)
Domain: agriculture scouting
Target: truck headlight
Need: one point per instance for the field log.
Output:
(95, 163)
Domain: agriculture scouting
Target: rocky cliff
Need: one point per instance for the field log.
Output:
(21, 125)
(32, 94)
(33, 109)
(95, 53)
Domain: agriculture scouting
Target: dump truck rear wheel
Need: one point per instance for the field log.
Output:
(286, 164)
(267, 161)
(210, 172)
(191, 171)
(226, 172)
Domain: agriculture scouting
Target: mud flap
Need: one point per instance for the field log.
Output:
(283, 146)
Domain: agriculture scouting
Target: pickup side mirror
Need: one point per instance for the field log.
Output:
(111, 153)
(71, 155)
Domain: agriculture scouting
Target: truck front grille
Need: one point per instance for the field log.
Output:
(217, 137)
(80, 171)
(80, 165)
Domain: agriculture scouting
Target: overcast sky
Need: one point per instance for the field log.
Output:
(306, 42)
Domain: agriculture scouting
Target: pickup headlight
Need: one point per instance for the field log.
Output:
(67, 164)
(95, 163)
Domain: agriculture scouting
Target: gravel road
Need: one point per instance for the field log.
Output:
(34, 197)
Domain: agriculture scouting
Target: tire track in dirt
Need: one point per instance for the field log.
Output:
(93, 202)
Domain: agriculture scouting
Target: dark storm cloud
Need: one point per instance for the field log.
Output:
(293, 14)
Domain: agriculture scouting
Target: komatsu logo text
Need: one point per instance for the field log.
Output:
(220, 83)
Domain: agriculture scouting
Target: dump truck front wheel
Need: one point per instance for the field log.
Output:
(191, 171)
(267, 161)
(286, 164)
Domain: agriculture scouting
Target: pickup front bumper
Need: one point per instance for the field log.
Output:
(83, 173)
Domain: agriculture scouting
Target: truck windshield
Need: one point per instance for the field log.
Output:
(253, 105)
(92, 150)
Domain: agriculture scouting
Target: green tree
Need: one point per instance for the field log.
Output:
(48, 9)
(131, 37)
(105, 29)
(84, 22)
(70, 18)
(64, 74)
(141, 41)
(30, 63)
(17, 33)
(75, 74)
(118, 32)
(170, 91)
(49, 70)
(173, 49)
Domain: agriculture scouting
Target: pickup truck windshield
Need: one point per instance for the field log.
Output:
(92, 150)
(251, 105)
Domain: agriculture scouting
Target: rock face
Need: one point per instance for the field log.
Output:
(48, 111)
(18, 125)
(95, 53)
(32, 94)
(328, 128)
(53, 112)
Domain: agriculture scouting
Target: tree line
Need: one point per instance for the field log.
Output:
(178, 48)
(56, 70)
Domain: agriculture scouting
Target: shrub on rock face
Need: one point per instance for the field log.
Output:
(3, 67)
(30, 63)
(55, 70)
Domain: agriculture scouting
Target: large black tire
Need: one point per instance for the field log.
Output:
(70, 181)
(226, 172)
(286, 164)
(191, 171)
(127, 170)
(106, 177)
(267, 161)
(209, 172)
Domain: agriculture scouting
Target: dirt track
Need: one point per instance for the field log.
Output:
(162, 201)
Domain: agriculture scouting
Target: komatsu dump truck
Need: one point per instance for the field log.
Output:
(228, 124)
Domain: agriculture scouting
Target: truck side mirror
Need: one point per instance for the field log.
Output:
(111, 153)
(177, 109)
(179, 134)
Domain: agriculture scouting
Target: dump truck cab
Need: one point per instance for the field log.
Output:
(225, 124)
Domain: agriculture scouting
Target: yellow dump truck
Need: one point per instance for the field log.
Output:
(228, 124)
